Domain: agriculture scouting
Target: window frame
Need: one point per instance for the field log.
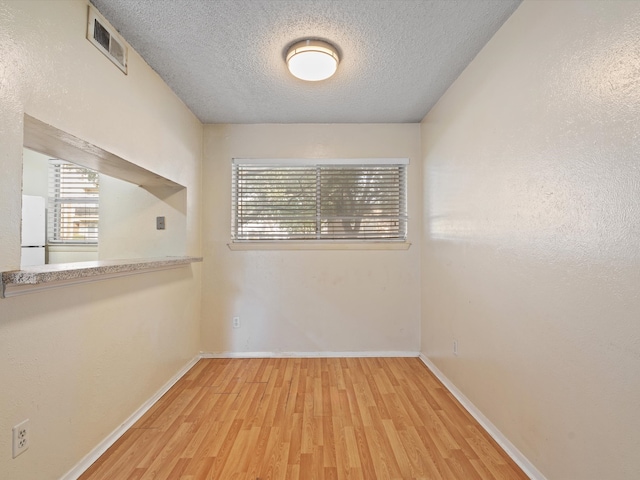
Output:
(55, 204)
(319, 240)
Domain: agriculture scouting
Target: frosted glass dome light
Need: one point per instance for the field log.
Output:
(312, 60)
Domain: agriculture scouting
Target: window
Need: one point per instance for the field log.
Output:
(335, 200)
(73, 204)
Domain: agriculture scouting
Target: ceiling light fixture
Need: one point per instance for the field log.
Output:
(312, 60)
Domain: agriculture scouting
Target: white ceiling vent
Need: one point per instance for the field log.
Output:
(105, 38)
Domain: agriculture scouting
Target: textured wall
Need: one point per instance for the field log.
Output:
(35, 173)
(307, 301)
(531, 257)
(126, 208)
(78, 361)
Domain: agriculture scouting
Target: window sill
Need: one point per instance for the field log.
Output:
(311, 245)
(35, 279)
(76, 247)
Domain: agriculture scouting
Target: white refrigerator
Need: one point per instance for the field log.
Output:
(33, 231)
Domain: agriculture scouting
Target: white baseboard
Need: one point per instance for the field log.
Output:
(102, 447)
(306, 354)
(509, 448)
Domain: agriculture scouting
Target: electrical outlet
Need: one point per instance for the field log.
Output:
(236, 322)
(20, 437)
(455, 347)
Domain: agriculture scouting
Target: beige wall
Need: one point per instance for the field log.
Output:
(78, 361)
(307, 301)
(35, 173)
(530, 256)
(128, 220)
(528, 242)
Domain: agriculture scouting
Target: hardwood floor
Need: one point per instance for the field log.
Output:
(303, 418)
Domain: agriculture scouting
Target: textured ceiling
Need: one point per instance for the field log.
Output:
(225, 58)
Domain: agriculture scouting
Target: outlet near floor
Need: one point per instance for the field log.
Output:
(20, 437)
(236, 322)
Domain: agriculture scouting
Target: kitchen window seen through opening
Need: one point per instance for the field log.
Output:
(73, 204)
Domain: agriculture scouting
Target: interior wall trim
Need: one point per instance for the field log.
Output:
(391, 353)
(509, 448)
(102, 447)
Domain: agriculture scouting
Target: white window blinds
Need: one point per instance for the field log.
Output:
(358, 200)
(73, 204)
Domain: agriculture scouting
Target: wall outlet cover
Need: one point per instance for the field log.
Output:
(20, 435)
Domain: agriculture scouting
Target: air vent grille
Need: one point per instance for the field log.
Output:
(104, 37)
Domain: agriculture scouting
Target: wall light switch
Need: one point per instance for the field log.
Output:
(159, 223)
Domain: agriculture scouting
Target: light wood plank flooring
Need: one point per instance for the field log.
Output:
(324, 418)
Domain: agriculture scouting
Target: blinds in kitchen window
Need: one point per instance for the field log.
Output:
(335, 200)
(73, 204)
